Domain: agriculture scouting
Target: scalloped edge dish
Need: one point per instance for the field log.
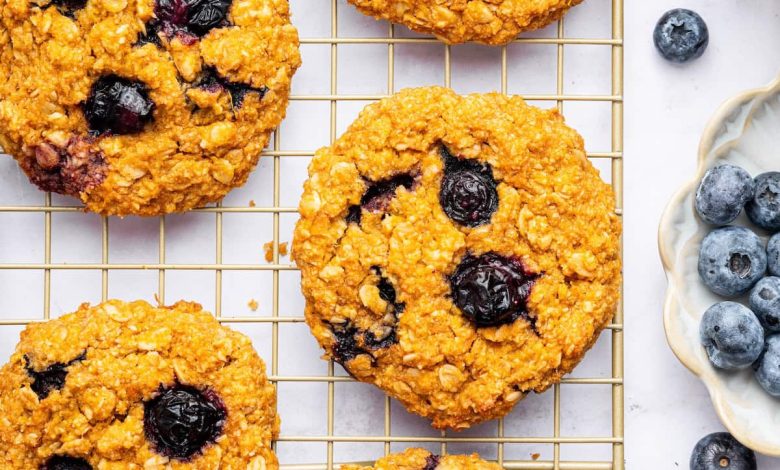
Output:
(736, 133)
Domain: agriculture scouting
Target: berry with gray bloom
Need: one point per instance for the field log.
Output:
(764, 209)
(765, 302)
(731, 260)
(731, 335)
(722, 193)
(681, 35)
(773, 255)
(768, 370)
(720, 451)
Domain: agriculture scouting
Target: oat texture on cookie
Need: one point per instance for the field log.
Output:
(128, 385)
(143, 106)
(458, 252)
(421, 459)
(455, 21)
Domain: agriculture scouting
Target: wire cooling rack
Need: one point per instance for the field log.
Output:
(52, 256)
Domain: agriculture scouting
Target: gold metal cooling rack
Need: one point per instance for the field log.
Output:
(501, 437)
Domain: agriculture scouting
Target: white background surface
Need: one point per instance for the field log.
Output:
(666, 107)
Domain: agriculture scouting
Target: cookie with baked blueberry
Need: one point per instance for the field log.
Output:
(128, 385)
(456, 21)
(143, 106)
(458, 252)
(421, 459)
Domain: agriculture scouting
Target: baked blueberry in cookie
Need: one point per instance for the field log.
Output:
(456, 251)
(421, 459)
(147, 107)
(128, 385)
(455, 21)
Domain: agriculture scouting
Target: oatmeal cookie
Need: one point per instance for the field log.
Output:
(455, 21)
(457, 251)
(421, 459)
(131, 386)
(142, 106)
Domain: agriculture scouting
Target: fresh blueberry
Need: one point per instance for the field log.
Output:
(196, 17)
(468, 192)
(720, 451)
(681, 35)
(732, 335)
(63, 462)
(118, 105)
(764, 209)
(773, 255)
(765, 302)
(768, 370)
(722, 194)
(491, 289)
(731, 260)
(181, 420)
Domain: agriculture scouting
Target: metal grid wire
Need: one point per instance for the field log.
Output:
(615, 329)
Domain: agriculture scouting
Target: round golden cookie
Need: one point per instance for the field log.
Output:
(143, 106)
(421, 459)
(457, 251)
(455, 21)
(131, 386)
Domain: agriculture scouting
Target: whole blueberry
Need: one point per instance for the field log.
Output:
(768, 370)
(722, 193)
(681, 35)
(731, 260)
(764, 209)
(731, 335)
(765, 302)
(773, 255)
(720, 451)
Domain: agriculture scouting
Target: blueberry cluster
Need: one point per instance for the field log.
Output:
(733, 261)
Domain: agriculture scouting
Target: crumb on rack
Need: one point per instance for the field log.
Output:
(252, 203)
(268, 248)
(535, 456)
(252, 304)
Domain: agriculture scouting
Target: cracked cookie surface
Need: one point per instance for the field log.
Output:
(143, 106)
(421, 459)
(131, 386)
(457, 313)
(455, 21)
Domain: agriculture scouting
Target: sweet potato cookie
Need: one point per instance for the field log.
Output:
(457, 251)
(421, 459)
(142, 106)
(455, 21)
(131, 386)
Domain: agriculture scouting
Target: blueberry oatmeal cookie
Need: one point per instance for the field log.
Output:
(142, 106)
(421, 459)
(457, 251)
(455, 21)
(127, 385)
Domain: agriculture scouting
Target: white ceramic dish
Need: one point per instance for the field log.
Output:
(745, 131)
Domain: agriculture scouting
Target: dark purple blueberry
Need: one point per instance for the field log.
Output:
(720, 451)
(182, 420)
(69, 7)
(63, 462)
(152, 34)
(118, 105)
(211, 80)
(681, 35)
(431, 462)
(468, 191)
(354, 214)
(197, 17)
(51, 378)
(491, 289)
(387, 338)
(379, 193)
(346, 346)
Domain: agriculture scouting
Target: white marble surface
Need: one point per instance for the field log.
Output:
(666, 108)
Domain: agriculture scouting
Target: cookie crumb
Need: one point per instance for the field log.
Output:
(252, 304)
(535, 456)
(268, 249)
(252, 203)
